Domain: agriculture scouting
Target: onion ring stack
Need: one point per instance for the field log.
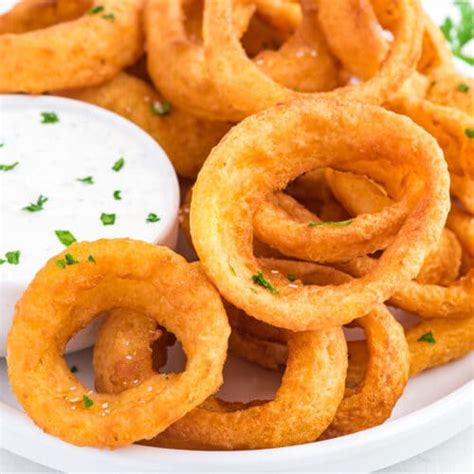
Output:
(325, 149)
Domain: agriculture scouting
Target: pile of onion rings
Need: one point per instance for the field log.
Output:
(325, 150)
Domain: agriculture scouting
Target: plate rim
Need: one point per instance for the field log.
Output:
(15, 425)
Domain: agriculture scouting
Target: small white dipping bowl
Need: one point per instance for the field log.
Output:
(53, 157)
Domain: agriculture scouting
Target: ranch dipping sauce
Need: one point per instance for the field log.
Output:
(71, 171)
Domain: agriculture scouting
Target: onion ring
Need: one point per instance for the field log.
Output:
(61, 301)
(30, 15)
(311, 390)
(93, 49)
(345, 25)
(447, 125)
(243, 84)
(433, 300)
(387, 371)
(256, 159)
(360, 195)
(186, 139)
(178, 65)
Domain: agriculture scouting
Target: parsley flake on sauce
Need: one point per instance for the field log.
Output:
(152, 218)
(107, 219)
(9, 167)
(118, 165)
(49, 117)
(260, 280)
(12, 257)
(65, 237)
(36, 206)
(86, 180)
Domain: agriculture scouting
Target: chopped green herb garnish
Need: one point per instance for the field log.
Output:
(107, 219)
(96, 9)
(70, 260)
(74, 369)
(49, 117)
(2, 261)
(232, 270)
(463, 88)
(91, 259)
(65, 237)
(469, 132)
(291, 277)
(152, 218)
(9, 167)
(37, 206)
(260, 280)
(118, 165)
(459, 34)
(87, 180)
(427, 337)
(88, 402)
(118, 195)
(161, 108)
(109, 16)
(60, 263)
(13, 257)
(331, 223)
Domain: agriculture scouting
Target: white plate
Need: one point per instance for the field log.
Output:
(435, 406)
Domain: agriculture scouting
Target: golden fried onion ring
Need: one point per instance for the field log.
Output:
(61, 301)
(82, 52)
(372, 400)
(29, 15)
(250, 90)
(259, 157)
(311, 389)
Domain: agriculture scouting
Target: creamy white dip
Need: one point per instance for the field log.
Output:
(86, 164)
